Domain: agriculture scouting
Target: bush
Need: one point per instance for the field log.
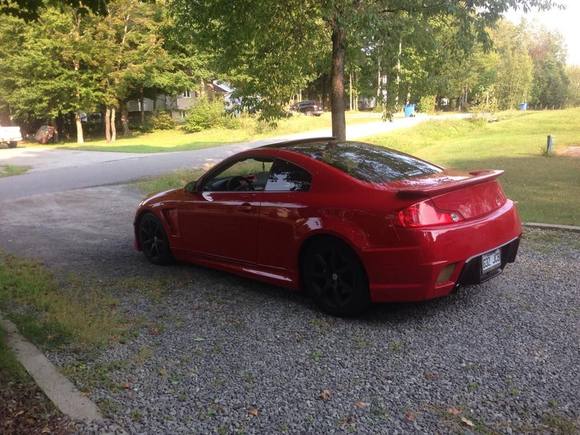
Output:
(205, 114)
(162, 121)
(427, 104)
(485, 102)
(230, 122)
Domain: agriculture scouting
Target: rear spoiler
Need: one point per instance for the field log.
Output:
(428, 191)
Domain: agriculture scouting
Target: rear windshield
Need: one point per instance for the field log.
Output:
(371, 163)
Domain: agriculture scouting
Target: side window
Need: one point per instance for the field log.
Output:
(242, 176)
(286, 177)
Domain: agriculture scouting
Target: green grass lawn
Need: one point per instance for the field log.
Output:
(547, 188)
(177, 140)
(52, 313)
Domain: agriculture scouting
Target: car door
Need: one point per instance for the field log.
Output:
(284, 207)
(220, 219)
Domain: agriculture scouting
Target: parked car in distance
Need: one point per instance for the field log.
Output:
(308, 107)
(10, 136)
(349, 222)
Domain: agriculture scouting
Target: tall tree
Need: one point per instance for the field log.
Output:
(514, 67)
(573, 72)
(49, 72)
(134, 57)
(550, 83)
(271, 44)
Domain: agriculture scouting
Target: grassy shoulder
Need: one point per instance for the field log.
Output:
(250, 129)
(171, 180)
(546, 188)
(10, 170)
(9, 367)
(52, 313)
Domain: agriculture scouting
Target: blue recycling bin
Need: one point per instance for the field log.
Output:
(523, 106)
(409, 110)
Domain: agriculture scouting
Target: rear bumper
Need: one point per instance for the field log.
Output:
(471, 273)
(415, 270)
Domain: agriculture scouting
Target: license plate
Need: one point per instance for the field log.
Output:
(490, 261)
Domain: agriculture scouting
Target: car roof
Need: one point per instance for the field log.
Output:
(290, 145)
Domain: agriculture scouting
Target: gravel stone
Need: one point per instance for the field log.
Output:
(217, 353)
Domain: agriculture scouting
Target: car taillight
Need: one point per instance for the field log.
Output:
(424, 214)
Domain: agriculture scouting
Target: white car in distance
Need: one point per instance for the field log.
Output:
(10, 135)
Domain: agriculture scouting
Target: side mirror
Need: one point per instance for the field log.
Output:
(191, 187)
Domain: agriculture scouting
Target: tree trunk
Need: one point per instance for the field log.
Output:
(125, 119)
(355, 92)
(350, 96)
(60, 126)
(113, 126)
(142, 108)
(379, 79)
(337, 81)
(108, 125)
(79, 126)
(398, 79)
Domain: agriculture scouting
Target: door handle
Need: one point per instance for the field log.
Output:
(246, 207)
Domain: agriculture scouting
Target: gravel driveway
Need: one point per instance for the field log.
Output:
(217, 353)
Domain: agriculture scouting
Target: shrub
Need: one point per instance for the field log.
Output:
(205, 114)
(427, 104)
(230, 121)
(485, 102)
(162, 121)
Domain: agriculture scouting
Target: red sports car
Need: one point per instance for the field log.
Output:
(349, 222)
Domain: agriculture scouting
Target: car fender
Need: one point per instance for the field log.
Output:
(155, 209)
(348, 232)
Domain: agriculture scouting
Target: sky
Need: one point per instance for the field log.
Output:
(566, 21)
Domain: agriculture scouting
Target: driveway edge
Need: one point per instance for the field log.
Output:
(553, 227)
(57, 388)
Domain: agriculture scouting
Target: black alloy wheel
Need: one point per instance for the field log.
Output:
(335, 278)
(154, 241)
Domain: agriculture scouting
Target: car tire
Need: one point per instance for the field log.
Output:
(12, 144)
(335, 278)
(153, 240)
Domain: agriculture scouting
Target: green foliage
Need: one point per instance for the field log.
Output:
(30, 9)
(268, 50)
(550, 84)
(45, 67)
(485, 102)
(271, 49)
(74, 60)
(514, 67)
(162, 121)
(573, 73)
(205, 114)
(427, 104)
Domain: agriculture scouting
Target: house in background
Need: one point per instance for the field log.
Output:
(178, 105)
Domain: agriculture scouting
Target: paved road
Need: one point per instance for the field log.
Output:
(62, 170)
